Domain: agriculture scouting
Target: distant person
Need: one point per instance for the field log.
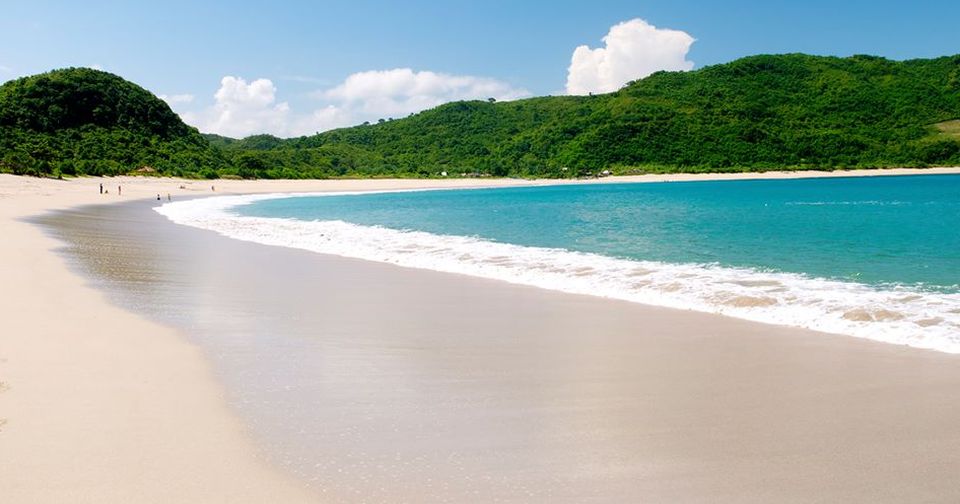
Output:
(118, 190)
(101, 187)
(158, 196)
(213, 188)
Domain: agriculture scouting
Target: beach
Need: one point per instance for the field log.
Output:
(536, 395)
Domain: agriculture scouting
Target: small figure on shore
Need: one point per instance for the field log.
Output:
(118, 190)
(213, 188)
(101, 187)
(158, 196)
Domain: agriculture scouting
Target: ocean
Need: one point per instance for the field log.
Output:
(870, 257)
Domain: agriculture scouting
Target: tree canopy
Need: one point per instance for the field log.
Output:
(85, 121)
(790, 111)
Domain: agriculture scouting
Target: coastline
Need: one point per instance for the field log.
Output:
(98, 404)
(102, 405)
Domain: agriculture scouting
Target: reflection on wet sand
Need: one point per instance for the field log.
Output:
(378, 383)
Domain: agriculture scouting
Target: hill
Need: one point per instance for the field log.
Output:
(80, 120)
(756, 113)
(764, 112)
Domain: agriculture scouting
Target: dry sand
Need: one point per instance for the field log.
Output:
(99, 405)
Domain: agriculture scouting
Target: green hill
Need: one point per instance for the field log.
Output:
(80, 120)
(757, 113)
(763, 112)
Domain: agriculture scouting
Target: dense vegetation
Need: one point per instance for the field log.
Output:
(84, 121)
(762, 112)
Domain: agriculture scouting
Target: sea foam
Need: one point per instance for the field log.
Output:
(899, 315)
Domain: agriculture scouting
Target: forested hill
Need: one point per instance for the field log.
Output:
(81, 120)
(756, 113)
(761, 112)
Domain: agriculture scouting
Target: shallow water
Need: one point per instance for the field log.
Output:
(382, 384)
(872, 257)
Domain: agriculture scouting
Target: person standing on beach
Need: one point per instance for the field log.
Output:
(118, 190)
(101, 187)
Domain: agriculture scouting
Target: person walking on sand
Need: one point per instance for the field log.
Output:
(101, 187)
(118, 190)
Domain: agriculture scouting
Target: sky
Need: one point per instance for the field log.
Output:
(291, 68)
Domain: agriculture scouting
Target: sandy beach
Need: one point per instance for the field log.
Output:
(100, 404)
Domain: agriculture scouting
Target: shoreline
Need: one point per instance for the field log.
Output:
(471, 390)
(98, 404)
(779, 175)
(103, 405)
(905, 314)
(179, 186)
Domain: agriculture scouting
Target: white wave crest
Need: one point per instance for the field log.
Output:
(893, 315)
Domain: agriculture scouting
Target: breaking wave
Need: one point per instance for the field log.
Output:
(894, 314)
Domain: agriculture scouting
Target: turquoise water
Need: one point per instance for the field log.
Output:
(875, 258)
(873, 230)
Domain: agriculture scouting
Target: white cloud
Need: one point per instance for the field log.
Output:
(402, 91)
(321, 119)
(176, 99)
(632, 50)
(242, 109)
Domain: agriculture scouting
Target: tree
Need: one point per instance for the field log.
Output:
(250, 166)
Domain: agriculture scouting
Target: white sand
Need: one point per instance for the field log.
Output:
(99, 405)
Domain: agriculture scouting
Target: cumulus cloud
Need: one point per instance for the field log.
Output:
(241, 109)
(402, 91)
(632, 50)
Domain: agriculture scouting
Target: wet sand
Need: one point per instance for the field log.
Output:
(374, 383)
(98, 404)
(166, 375)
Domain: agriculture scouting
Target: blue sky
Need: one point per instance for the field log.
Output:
(303, 52)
